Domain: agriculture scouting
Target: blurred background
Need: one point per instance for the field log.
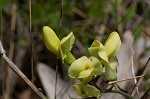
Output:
(88, 20)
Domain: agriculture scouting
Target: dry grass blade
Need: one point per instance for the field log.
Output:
(60, 24)
(18, 72)
(31, 45)
(141, 79)
(133, 72)
(145, 94)
(126, 79)
(10, 74)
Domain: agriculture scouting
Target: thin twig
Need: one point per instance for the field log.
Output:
(1, 16)
(119, 92)
(146, 33)
(1, 38)
(60, 23)
(141, 79)
(133, 72)
(145, 94)
(18, 72)
(80, 13)
(112, 82)
(10, 73)
(31, 46)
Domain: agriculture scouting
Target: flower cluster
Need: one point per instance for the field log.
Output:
(102, 60)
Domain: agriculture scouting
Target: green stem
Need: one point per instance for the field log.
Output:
(112, 91)
(95, 85)
(120, 92)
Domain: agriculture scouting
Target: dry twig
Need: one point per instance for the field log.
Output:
(141, 79)
(133, 72)
(10, 74)
(31, 45)
(112, 82)
(18, 72)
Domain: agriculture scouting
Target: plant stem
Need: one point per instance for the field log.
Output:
(95, 85)
(111, 91)
(119, 92)
(19, 72)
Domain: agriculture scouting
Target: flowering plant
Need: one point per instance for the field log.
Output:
(102, 60)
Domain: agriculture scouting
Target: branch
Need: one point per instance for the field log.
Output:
(145, 70)
(18, 72)
(112, 82)
(120, 92)
(133, 72)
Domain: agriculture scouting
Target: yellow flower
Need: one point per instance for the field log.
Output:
(51, 40)
(85, 68)
(112, 44)
(107, 54)
(98, 50)
(60, 48)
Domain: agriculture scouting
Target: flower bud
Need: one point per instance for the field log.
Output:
(112, 44)
(51, 40)
(85, 68)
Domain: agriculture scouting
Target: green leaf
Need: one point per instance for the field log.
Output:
(51, 40)
(110, 74)
(22, 41)
(128, 14)
(69, 59)
(138, 32)
(86, 91)
(65, 46)
(77, 89)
